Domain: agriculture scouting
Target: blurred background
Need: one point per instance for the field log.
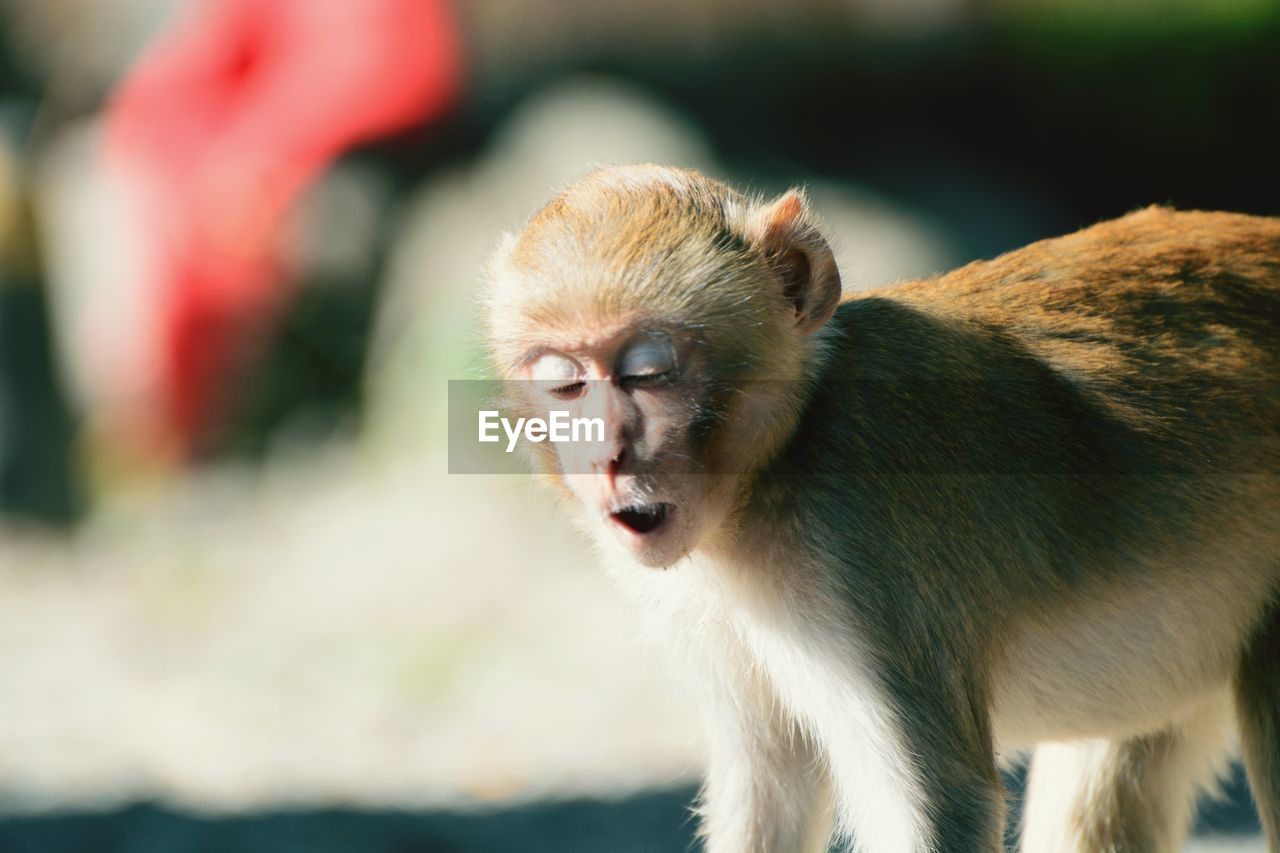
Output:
(243, 606)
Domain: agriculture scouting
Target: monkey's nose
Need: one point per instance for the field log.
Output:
(609, 460)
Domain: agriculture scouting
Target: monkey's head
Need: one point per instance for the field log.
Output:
(681, 314)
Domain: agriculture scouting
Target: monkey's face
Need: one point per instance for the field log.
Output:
(636, 465)
(680, 316)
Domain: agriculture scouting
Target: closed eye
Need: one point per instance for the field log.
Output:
(651, 359)
(567, 391)
(648, 379)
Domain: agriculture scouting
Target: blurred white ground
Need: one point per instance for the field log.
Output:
(340, 631)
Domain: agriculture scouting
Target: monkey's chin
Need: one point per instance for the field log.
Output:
(652, 534)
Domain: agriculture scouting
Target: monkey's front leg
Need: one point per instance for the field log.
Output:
(914, 771)
(765, 790)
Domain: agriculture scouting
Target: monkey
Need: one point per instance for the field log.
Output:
(896, 536)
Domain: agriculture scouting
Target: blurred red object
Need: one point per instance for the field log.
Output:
(221, 124)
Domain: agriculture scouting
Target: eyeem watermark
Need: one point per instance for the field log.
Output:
(557, 427)
(485, 436)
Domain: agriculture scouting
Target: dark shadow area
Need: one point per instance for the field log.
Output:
(310, 383)
(644, 823)
(38, 477)
(651, 822)
(1009, 129)
(1233, 813)
(1230, 814)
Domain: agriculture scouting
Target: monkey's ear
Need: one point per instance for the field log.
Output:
(784, 231)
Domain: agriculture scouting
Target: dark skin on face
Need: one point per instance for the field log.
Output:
(634, 379)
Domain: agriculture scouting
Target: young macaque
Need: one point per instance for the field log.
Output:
(1032, 503)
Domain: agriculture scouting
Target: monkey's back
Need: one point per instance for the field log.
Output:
(1157, 283)
(1092, 410)
(1170, 320)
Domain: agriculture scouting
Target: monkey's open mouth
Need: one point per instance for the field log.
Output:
(642, 518)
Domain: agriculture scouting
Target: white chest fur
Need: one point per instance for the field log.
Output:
(738, 616)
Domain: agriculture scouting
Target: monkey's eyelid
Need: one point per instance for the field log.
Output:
(554, 367)
(649, 358)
